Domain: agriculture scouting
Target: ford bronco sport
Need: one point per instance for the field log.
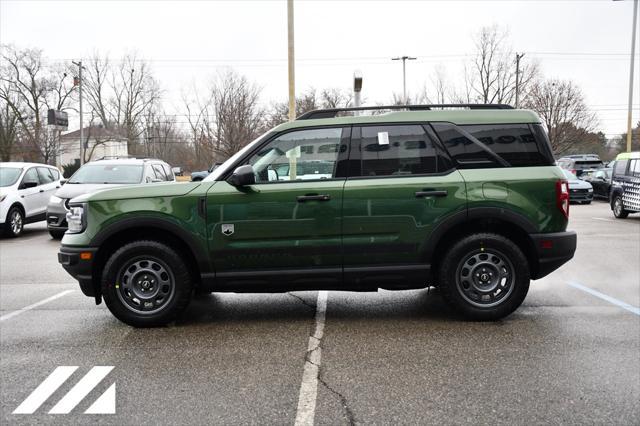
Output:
(462, 197)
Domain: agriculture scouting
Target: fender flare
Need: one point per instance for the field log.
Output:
(199, 251)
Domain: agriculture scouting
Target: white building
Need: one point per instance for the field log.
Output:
(101, 142)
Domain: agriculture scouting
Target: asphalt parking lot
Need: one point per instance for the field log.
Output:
(570, 354)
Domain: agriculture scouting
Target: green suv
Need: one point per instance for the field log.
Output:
(462, 197)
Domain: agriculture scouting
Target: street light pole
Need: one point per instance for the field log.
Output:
(291, 59)
(404, 74)
(79, 65)
(633, 51)
(518, 57)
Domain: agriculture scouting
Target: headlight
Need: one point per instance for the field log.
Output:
(55, 199)
(590, 190)
(76, 219)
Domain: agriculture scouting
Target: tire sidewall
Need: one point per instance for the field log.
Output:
(178, 268)
(8, 228)
(456, 255)
(622, 214)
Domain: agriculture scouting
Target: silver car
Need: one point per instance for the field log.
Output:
(98, 175)
(580, 191)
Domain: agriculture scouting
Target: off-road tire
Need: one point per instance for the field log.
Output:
(477, 245)
(114, 291)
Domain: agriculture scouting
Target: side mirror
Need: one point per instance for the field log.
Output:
(26, 185)
(63, 181)
(242, 176)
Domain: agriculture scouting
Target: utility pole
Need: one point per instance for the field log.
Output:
(404, 75)
(291, 59)
(633, 52)
(80, 67)
(518, 57)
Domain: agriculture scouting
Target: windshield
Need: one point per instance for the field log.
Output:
(222, 168)
(9, 175)
(569, 175)
(108, 173)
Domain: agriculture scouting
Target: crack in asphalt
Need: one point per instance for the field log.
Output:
(304, 302)
(350, 417)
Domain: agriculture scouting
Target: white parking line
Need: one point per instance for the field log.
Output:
(35, 305)
(309, 387)
(603, 219)
(603, 296)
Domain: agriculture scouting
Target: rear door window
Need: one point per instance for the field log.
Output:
(398, 150)
(45, 175)
(157, 168)
(515, 143)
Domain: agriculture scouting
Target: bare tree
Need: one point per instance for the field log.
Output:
(8, 131)
(200, 118)
(561, 106)
(121, 93)
(308, 101)
(238, 116)
(28, 89)
(491, 75)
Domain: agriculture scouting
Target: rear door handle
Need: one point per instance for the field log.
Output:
(431, 193)
(321, 197)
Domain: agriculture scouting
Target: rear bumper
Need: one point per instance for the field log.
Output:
(79, 267)
(553, 250)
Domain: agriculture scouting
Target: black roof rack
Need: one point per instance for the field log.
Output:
(333, 112)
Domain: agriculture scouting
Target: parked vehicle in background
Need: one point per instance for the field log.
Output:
(625, 185)
(578, 164)
(102, 174)
(177, 171)
(198, 176)
(466, 199)
(25, 189)
(600, 180)
(580, 191)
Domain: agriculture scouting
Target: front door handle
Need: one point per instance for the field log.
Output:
(42, 190)
(432, 193)
(315, 197)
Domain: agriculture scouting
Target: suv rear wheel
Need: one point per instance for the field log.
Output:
(146, 284)
(618, 208)
(484, 276)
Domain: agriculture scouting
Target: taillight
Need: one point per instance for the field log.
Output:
(575, 172)
(562, 196)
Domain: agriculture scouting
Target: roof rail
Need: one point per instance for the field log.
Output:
(333, 112)
(123, 157)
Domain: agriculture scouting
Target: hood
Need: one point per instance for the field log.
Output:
(579, 184)
(72, 190)
(144, 190)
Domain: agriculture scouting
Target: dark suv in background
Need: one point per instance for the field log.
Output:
(578, 164)
(463, 197)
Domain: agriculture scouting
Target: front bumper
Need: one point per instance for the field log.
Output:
(57, 216)
(78, 262)
(580, 195)
(553, 250)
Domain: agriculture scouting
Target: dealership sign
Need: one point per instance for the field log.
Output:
(58, 119)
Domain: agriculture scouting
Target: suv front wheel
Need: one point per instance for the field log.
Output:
(146, 284)
(618, 208)
(484, 276)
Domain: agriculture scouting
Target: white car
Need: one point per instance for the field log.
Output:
(25, 189)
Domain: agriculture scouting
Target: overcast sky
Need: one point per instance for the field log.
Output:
(186, 41)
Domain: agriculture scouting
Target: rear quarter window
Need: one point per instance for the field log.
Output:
(515, 143)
